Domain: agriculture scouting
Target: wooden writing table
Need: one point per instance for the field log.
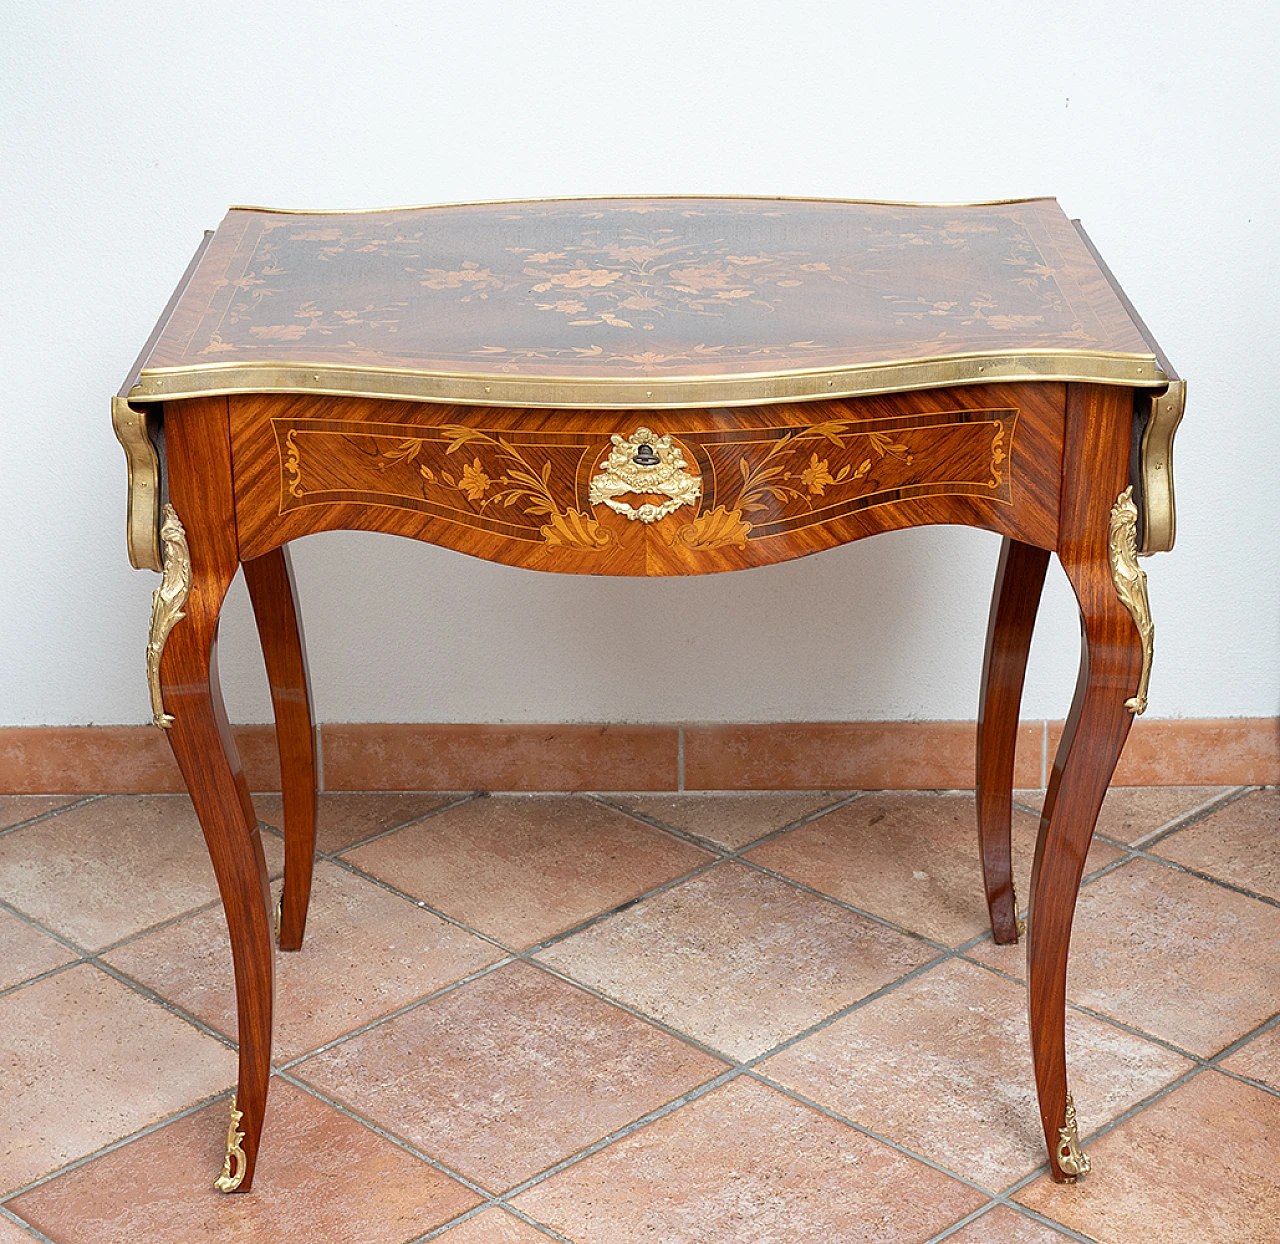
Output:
(649, 387)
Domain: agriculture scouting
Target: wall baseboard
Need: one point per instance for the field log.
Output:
(841, 755)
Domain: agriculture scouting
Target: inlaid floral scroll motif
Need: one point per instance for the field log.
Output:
(752, 484)
(463, 474)
(811, 474)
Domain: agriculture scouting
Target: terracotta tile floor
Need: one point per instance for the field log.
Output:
(703, 1019)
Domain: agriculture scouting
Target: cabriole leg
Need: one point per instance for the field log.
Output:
(1014, 602)
(271, 589)
(1098, 552)
(199, 460)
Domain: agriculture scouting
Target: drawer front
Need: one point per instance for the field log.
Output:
(649, 492)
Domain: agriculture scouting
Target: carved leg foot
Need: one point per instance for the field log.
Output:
(271, 589)
(1014, 602)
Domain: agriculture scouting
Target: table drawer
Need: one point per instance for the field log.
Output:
(649, 492)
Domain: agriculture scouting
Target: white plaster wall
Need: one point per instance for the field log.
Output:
(128, 127)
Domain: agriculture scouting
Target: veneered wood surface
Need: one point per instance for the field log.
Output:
(1014, 603)
(776, 482)
(1094, 473)
(199, 460)
(271, 589)
(629, 288)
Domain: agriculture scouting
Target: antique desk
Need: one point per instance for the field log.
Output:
(649, 387)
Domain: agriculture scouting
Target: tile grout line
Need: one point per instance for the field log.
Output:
(399, 1141)
(871, 1134)
(1202, 1065)
(1174, 866)
(161, 925)
(571, 1159)
(541, 1227)
(490, 1200)
(7, 1215)
(723, 1055)
(41, 976)
(288, 1064)
(600, 917)
(735, 1067)
(1017, 1208)
(63, 941)
(710, 844)
(91, 956)
(1080, 1009)
(650, 1116)
(1181, 821)
(1185, 820)
(392, 829)
(737, 855)
(680, 759)
(118, 1143)
(92, 959)
(961, 1223)
(1006, 1196)
(1061, 1227)
(48, 816)
(1199, 813)
(528, 954)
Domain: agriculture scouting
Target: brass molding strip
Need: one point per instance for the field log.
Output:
(1131, 586)
(166, 606)
(142, 521)
(622, 198)
(1159, 515)
(647, 393)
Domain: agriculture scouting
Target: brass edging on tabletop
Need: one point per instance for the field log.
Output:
(1159, 513)
(622, 198)
(562, 392)
(142, 519)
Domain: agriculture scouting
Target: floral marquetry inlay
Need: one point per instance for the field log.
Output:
(617, 288)
(711, 489)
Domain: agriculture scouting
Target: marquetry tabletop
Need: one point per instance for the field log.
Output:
(644, 302)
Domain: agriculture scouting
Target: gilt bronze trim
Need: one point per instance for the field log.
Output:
(142, 524)
(1131, 586)
(649, 393)
(608, 198)
(627, 470)
(1159, 517)
(1072, 1160)
(166, 606)
(234, 1164)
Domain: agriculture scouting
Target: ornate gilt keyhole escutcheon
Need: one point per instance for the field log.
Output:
(644, 463)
